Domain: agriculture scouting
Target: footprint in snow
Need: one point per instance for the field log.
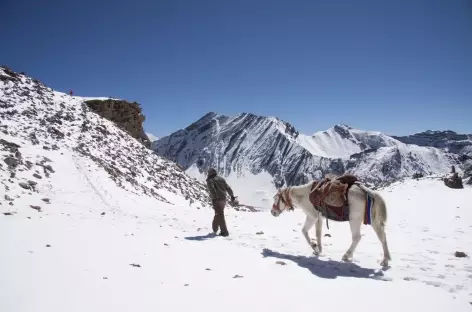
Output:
(434, 283)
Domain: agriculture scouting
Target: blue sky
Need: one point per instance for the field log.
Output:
(399, 66)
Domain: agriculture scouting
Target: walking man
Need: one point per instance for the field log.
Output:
(218, 188)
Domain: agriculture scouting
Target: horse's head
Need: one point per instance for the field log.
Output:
(282, 202)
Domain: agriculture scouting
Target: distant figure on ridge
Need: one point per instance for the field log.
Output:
(218, 188)
(71, 93)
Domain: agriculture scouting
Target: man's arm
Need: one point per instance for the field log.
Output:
(228, 188)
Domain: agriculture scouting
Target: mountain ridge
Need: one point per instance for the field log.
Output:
(260, 143)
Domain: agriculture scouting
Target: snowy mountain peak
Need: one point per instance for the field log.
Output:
(251, 143)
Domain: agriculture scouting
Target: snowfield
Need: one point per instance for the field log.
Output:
(98, 247)
(91, 220)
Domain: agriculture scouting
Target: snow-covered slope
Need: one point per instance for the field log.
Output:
(250, 143)
(33, 115)
(98, 248)
(152, 137)
(342, 141)
(449, 141)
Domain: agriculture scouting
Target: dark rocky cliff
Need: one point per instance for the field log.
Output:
(125, 115)
(450, 140)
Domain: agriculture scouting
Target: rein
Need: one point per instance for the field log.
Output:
(287, 200)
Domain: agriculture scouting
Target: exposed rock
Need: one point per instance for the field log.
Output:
(440, 139)
(37, 176)
(10, 146)
(46, 200)
(247, 142)
(135, 265)
(418, 175)
(281, 263)
(237, 276)
(11, 162)
(36, 208)
(260, 233)
(32, 183)
(24, 185)
(55, 133)
(460, 254)
(8, 197)
(33, 138)
(127, 161)
(125, 114)
(454, 181)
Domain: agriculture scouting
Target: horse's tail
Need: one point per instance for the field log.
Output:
(379, 209)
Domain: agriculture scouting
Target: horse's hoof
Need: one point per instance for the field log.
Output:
(384, 263)
(345, 258)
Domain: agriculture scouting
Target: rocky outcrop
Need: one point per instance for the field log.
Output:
(453, 180)
(454, 142)
(126, 115)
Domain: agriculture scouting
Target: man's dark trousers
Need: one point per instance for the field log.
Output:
(219, 218)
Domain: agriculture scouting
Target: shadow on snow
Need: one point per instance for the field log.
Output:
(328, 268)
(201, 237)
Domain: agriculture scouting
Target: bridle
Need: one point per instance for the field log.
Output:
(287, 201)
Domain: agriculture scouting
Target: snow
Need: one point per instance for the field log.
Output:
(253, 190)
(256, 144)
(152, 137)
(328, 145)
(88, 264)
(342, 141)
(100, 245)
(56, 121)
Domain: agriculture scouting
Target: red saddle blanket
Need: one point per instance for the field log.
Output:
(329, 196)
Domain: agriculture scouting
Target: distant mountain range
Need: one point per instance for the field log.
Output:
(251, 143)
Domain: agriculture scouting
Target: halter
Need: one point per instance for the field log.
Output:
(287, 201)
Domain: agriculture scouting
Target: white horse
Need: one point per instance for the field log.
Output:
(298, 196)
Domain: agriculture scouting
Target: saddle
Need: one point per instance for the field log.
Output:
(329, 196)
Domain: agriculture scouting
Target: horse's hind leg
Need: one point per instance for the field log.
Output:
(355, 225)
(319, 228)
(380, 231)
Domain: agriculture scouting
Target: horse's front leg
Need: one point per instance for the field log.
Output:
(319, 228)
(309, 222)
